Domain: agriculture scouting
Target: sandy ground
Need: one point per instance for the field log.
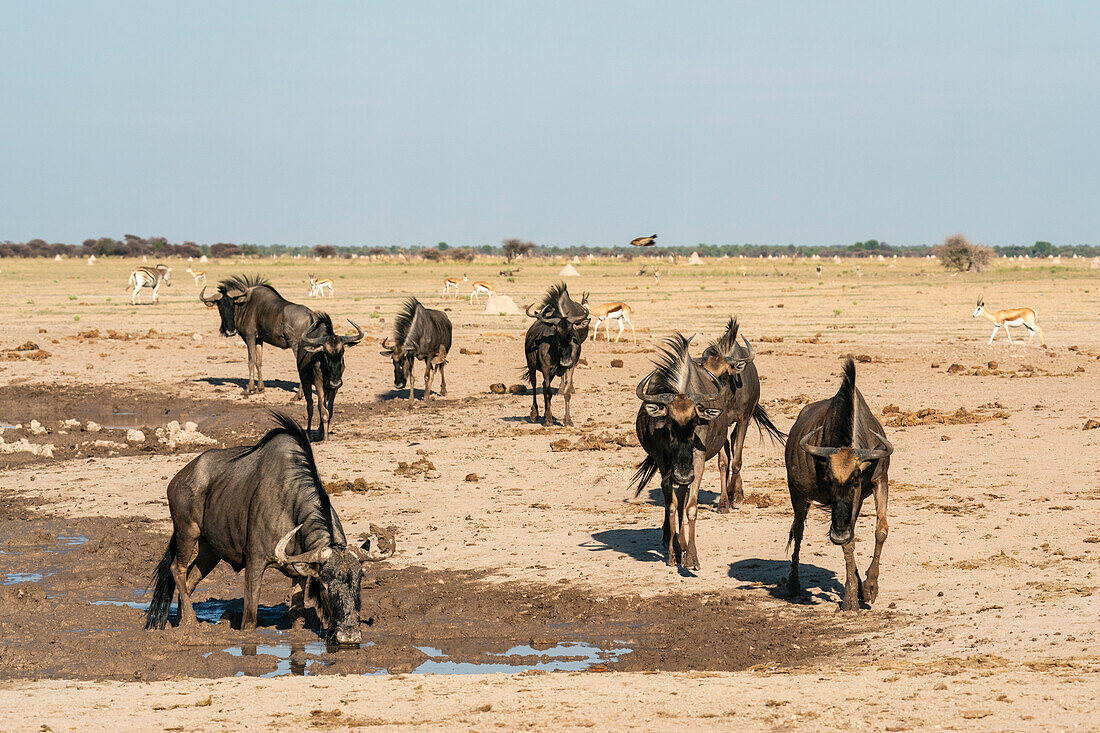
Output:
(987, 613)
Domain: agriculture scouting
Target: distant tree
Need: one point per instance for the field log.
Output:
(461, 254)
(324, 250)
(959, 253)
(514, 248)
(188, 249)
(443, 246)
(431, 255)
(224, 249)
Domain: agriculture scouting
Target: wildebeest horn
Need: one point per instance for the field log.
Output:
(313, 556)
(386, 343)
(656, 399)
(865, 454)
(377, 546)
(210, 302)
(816, 450)
(353, 340)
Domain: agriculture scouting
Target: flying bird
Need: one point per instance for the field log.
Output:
(644, 241)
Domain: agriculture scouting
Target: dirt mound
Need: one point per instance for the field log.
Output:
(603, 441)
(898, 418)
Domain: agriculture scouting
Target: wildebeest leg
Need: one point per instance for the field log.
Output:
(297, 606)
(251, 347)
(443, 380)
(569, 389)
(534, 416)
(429, 372)
(330, 409)
(723, 478)
(798, 526)
(851, 577)
(187, 541)
(691, 509)
(736, 493)
(205, 562)
(323, 417)
(666, 530)
(307, 390)
(870, 586)
(672, 518)
(259, 365)
(547, 416)
(253, 574)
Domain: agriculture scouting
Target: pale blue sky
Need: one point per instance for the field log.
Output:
(563, 123)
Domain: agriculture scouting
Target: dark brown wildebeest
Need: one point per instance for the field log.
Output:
(419, 333)
(553, 346)
(733, 364)
(248, 305)
(837, 456)
(681, 425)
(251, 506)
(321, 366)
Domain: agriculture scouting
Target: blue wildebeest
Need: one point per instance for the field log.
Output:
(149, 277)
(837, 456)
(733, 364)
(257, 507)
(681, 425)
(248, 305)
(553, 346)
(419, 333)
(320, 359)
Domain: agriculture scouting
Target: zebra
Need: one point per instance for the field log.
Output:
(149, 277)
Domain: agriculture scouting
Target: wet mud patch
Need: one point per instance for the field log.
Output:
(414, 620)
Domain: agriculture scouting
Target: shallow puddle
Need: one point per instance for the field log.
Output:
(64, 543)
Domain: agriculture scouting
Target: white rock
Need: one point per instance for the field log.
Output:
(109, 444)
(36, 428)
(135, 436)
(92, 427)
(190, 427)
(172, 435)
(70, 423)
(196, 337)
(25, 446)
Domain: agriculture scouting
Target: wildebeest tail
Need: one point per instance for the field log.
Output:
(164, 588)
(765, 424)
(646, 470)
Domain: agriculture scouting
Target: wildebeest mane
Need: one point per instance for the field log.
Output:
(244, 282)
(672, 367)
(840, 419)
(404, 325)
(726, 344)
(552, 297)
(321, 319)
(304, 467)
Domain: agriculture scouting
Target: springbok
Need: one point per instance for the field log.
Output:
(482, 288)
(149, 277)
(452, 282)
(644, 241)
(605, 312)
(317, 287)
(200, 276)
(1011, 317)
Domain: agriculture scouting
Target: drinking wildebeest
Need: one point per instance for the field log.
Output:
(733, 364)
(248, 305)
(250, 506)
(837, 456)
(149, 277)
(553, 346)
(681, 425)
(320, 357)
(419, 333)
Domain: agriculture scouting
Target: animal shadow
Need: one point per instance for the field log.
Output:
(643, 545)
(282, 384)
(817, 583)
(657, 498)
(402, 394)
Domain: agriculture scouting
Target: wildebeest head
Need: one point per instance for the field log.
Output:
(838, 464)
(567, 318)
(231, 295)
(679, 398)
(336, 575)
(321, 340)
(402, 348)
(725, 357)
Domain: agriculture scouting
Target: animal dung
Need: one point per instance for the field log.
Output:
(472, 477)
(468, 352)
(1092, 425)
(518, 389)
(498, 388)
(617, 363)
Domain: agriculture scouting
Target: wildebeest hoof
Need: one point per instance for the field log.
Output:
(869, 592)
(849, 603)
(723, 508)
